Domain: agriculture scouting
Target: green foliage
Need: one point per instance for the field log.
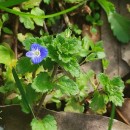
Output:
(30, 4)
(6, 55)
(21, 89)
(107, 6)
(47, 1)
(28, 23)
(96, 51)
(24, 65)
(42, 83)
(120, 27)
(113, 88)
(67, 86)
(38, 11)
(119, 24)
(47, 123)
(7, 30)
(74, 106)
(97, 103)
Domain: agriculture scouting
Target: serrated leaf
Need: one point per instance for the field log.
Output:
(42, 83)
(67, 86)
(30, 40)
(120, 27)
(6, 55)
(73, 68)
(97, 103)
(25, 65)
(116, 81)
(28, 22)
(74, 106)
(116, 97)
(103, 79)
(30, 4)
(38, 11)
(47, 123)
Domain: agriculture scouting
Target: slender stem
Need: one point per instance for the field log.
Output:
(44, 94)
(43, 16)
(112, 117)
(15, 37)
(66, 18)
(40, 103)
(45, 27)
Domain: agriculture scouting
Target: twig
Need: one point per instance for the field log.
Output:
(45, 27)
(122, 117)
(66, 18)
(15, 37)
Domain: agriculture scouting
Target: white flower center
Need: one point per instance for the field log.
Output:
(36, 53)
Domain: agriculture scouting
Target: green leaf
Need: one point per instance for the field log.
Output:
(107, 6)
(120, 27)
(6, 55)
(47, 123)
(5, 17)
(30, 4)
(47, 1)
(38, 11)
(67, 86)
(97, 103)
(28, 41)
(22, 92)
(74, 106)
(24, 65)
(103, 79)
(73, 68)
(31, 95)
(105, 63)
(116, 81)
(28, 22)
(7, 30)
(42, 83)
(101, 55)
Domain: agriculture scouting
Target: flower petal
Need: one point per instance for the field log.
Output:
(43, 52)
(29, 54)
(35, 46)
(36, 60)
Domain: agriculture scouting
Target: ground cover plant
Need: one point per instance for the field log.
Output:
(42, 50)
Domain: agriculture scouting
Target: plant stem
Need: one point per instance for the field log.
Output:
(44, 94)
(66, 18)
(15, 37)
(40, 103)
(43, 16)
(112, 117)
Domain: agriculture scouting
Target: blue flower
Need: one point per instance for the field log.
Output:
(37, 53)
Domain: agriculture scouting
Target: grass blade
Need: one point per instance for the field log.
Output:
(22, 92)
(9, 3)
